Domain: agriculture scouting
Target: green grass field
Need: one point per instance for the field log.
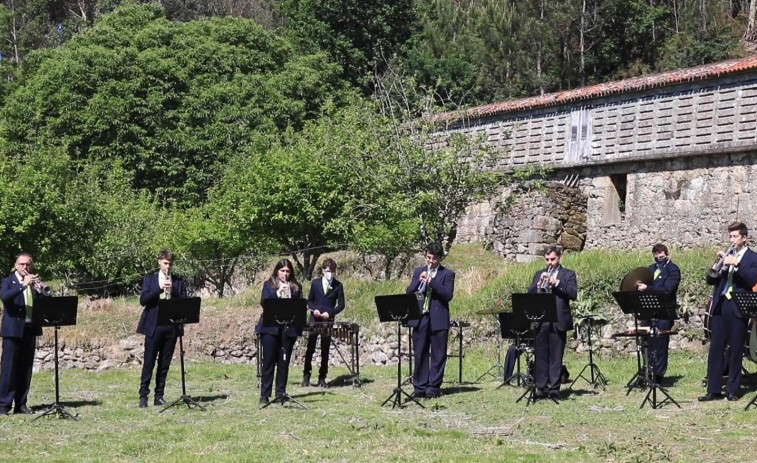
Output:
(471, 422)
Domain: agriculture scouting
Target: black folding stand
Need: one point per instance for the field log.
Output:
(537, 308)
(747, 304)
(180, 312)
(55, 312)
(515, 327)
(282, 314)
(647, 305)
(398, 308)
(597, 378)
(497, 370)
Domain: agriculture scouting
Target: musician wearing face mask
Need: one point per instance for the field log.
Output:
(19, 291)
(735, 271)
(666, 276)
(325, 300)
(434, 285)
(549, 340)
(277, 342)
(160, 341)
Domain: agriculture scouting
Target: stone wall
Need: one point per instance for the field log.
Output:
(532, 219)
(378, 346)
(682, 202)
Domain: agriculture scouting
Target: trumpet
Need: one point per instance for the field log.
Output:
(714, 272)
(543, 285)
(166, 291)
(39, 285)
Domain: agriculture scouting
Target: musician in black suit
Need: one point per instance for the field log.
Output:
(666, 276)
(736, 272)
(19, 291)
(550, 337)
(160, 341)
(277, 342)
(434, 285)
(325, 300)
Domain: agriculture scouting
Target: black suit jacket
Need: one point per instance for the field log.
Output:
(331, 302)
(668, 279)
(149, 298)
(443, 289)
(744, 278)
(14, 308)
(566, 291)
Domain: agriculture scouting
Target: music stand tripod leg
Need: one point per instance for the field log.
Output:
(184, 399)
(752, 402)
(398, 392)
(57, 408)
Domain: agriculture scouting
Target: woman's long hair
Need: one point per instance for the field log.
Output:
(275, 275)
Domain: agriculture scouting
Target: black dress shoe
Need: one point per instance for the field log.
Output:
(306, 381)
(540, 394)
(710, 396)
(733, 397)
(322, 383)
(159, 400)
(143, 402)
(4, 411)
(264, 401)
(24, 410)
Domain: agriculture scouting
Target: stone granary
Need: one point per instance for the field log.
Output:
(667, 157)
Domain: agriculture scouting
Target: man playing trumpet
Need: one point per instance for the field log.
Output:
(735, 271)
(19, 291)
(160, 341)
(549, 340)
(434, 286)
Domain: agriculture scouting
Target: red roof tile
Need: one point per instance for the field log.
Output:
(706, 71)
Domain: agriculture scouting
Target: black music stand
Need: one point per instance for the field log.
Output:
(398, 308)
(647, 305)
(536, 308)
(283, 313)
(179, 312)
(498, 367)
(747, 305)
(597, 378)
(515, 326)
(55, 312)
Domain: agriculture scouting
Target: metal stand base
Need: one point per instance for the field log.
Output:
(184, 400)
(282, 399)
(532, 398)
(59, 410)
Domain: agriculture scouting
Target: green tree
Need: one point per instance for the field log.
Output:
(170, 101)
(360, 36)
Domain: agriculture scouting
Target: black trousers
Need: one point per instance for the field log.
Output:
(549, 346)
(430, 353)
(16, 369)
(277, 353)
(726, 330)
(658, 346)
(158, 347)
(323, 371)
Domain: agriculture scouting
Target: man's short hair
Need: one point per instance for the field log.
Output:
(166, 255)
(659, 247)
(435, 249)
(556, 249)
(740, 227)
(24, 254)
(329, 264)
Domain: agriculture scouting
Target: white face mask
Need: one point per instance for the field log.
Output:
(328, 275)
